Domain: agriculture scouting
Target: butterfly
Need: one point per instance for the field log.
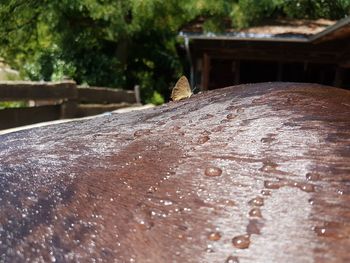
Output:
(182, 89)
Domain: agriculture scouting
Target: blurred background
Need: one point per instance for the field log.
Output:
(150, 43)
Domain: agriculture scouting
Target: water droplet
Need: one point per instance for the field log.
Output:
(272, 184)
(340, 192)
(214, 236)
(230, 108)
(180, 236)
(257, 201)
(139, 157)
(143, 218)
(241, 242)
(277, 184)
(140, 133)
(228, 202)
(152, 189)
(167, 202)
(218, 128)
(167, 144)
(255, 212)
(205, 132)
(209, 249)
(265, 192)
(206, 116)
(231, 116)
(306, 187)
(268, 166)
(312, 177)
(175, 128)
(267, 140)
(232, 259)
(160, 123)
(333, 230)
(145, 225)
(254, 227)
(203, 139)
(320, 231)
(311, 201)
(213, 171)
(225, 121)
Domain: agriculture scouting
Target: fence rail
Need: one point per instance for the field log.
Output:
(105, 95)
(24, 90)
(59, 100)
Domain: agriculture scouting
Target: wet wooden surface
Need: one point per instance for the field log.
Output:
(252, 173)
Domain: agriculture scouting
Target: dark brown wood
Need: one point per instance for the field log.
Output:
(340, 33)
(335, 53)
(69, 109)
(272, 55)
(105, 95)
(21, 90)
(339, 75)
(15, 117)
(237, 71)
(280, 71)
(334, 47)
(250, 173)
(206, 71)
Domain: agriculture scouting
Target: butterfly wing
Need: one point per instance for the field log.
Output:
(182, 89)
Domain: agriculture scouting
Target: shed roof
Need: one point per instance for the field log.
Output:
(339, 30)
(285, 30)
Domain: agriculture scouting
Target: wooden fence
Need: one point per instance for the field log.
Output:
(52, 101)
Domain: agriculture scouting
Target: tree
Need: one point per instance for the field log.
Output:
(105, 43)
(120, 43)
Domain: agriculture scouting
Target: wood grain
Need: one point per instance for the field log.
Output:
(140, 186)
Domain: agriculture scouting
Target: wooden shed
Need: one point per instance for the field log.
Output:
(316, 51)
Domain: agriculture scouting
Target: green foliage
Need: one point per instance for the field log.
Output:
(251, 12)
(333, 9)
(120, 43)
(12, 104)
(245, 13)
(47, 65)
(156, 99)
